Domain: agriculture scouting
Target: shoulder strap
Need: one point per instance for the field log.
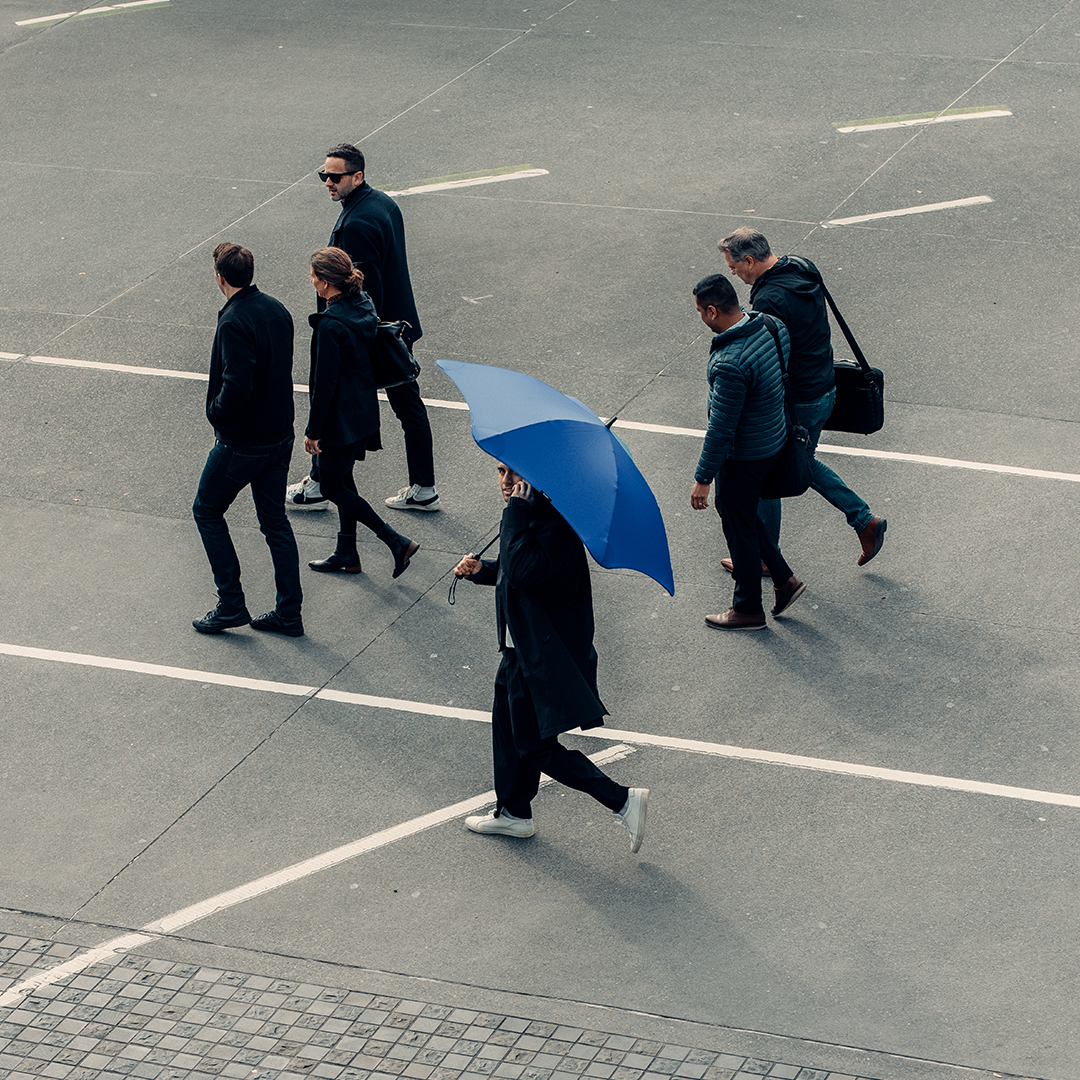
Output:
(844, 326)
(770, 324)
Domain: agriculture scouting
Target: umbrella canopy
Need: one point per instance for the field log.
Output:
(564, 449)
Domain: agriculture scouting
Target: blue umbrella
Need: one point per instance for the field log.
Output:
(563, 448)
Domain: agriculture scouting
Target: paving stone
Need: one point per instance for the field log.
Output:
(159, 1020)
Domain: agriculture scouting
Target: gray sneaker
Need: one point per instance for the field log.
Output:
(503, 825)
(306, 495)
(632, 815)
(414, 498)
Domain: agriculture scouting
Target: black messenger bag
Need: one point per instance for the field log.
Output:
(860, 397)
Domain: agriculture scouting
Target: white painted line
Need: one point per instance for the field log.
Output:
(397, 704)
(975, 200)
(127, 369)
(186, 916)
(451, 185)
(631, 425)
(845, 768)
(926, 120)
(92, 11)
(161, 670)
(881, 455)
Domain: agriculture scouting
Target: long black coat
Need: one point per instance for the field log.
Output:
(371, 231)
(543, 598)
(344, 406)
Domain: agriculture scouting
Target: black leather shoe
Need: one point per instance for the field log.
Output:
(275, 623)
(213, 622)
(350, 564)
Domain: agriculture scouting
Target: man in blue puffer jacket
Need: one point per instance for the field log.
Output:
(747, 430)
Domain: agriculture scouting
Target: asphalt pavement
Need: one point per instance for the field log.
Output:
(865, 822)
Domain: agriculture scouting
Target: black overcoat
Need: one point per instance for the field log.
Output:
(371, 231)
(344, 404)
(543, 600)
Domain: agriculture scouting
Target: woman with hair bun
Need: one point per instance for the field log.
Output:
(343, 418)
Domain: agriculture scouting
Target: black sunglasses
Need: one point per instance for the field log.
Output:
(335, 177)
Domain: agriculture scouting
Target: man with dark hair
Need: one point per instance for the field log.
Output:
(546, 683)
(249, 401)
(371, 230)
(790, 288)
(747, 431)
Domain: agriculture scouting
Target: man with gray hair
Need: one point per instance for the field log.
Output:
(791, 289)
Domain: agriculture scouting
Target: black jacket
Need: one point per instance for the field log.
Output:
(791, 290)
(344, 406)
(249, 399)
(543, 598)
(371, 231)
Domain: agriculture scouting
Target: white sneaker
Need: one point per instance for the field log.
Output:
(503, 825)
(632, 815)
(414, 498)
(306, 495)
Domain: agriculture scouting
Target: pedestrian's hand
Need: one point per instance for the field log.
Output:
(699, 496)
(469, 567)
(523, 490)
(311, 446)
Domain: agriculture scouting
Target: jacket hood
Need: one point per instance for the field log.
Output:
(799, 275)
(358, 310)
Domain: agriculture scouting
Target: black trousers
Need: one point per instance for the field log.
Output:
(521, 755)
(337, 483)
(738, 488)
(410, 410)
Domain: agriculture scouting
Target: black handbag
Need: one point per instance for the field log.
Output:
(391, 360)
(860, 397)
(790, 476)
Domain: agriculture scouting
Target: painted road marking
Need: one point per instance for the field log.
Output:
(631, 425)
(450, 184)
(927, 208)
(665, 742)
(242, 893)
(94, 11)
(881, 123)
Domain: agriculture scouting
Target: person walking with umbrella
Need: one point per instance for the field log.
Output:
(546, 682)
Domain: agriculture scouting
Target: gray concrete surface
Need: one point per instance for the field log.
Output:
(846, 924)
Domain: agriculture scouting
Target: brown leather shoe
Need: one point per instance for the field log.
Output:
(729, 566)
(871, 538)
(734, 620)
(792, 589)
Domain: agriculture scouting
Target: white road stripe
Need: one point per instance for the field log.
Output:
(666, 742)
(631, 425)
(915, 122)
(93, 11)
(450, 185)
(926, 209)
(169, 924)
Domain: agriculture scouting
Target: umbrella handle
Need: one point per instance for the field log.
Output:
(453, 584)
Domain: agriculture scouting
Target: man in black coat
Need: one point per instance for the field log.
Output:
(790, 289)
(546, 682)
(249, 401)
(370, 229)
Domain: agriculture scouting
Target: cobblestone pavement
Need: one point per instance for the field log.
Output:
(161, 1020)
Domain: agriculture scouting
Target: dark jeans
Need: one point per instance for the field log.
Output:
(738, 488)
(812, 415)
(338, 485)
(521, 755)
(410, 410)
(228, 470)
